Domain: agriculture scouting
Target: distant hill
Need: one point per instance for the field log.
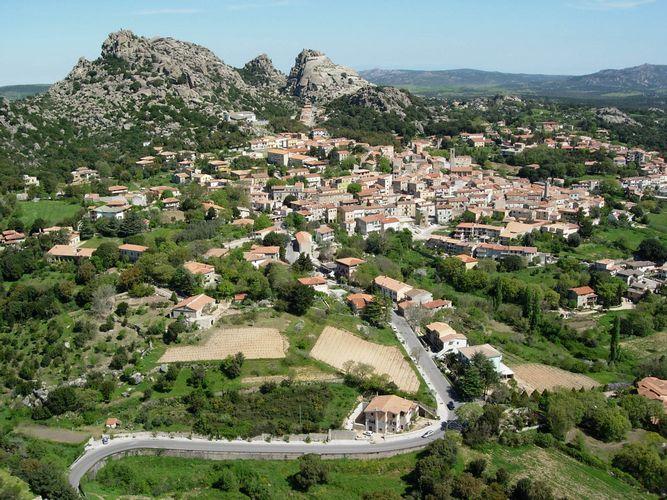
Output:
(647, 80)
(13, 92)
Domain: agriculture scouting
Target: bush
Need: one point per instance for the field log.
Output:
(643, 462)
(227, 481)
(312, 471)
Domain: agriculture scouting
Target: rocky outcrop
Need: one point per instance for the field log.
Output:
(382, 99)
(615, 116)
(261, 72)
(315, 78)
(133, 71)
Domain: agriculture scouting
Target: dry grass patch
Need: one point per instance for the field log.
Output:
(254, 343)
(337, 347)
(53, 434)
(535, 376)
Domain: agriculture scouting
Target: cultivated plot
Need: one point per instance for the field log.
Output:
(537, 377)
(254, 343)
(336, 347)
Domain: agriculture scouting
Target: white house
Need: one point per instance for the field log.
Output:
(492, 354)
(389, 414)
(197, 309)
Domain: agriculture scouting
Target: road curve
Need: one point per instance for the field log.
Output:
(400, 443)
(95, 454)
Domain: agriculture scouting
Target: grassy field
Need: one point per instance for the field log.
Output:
(193, 478)
(52, 211)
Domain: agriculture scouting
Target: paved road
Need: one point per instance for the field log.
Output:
(431, 373)
(275, 449)
(433, 376)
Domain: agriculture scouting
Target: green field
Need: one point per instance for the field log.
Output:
(193, 478)
(52, 211)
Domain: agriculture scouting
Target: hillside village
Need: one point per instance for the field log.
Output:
(440, 279)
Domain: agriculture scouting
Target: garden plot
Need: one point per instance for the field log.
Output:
(537, 377)
(337, 347)
(254, 343)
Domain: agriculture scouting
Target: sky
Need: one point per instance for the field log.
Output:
(41, 40)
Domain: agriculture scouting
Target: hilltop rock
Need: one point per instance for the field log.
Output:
(615, 116)
(382, 99)
(133, 71)
(315, 77)
(261, 72)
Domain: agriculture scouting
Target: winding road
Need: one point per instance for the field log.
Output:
(97, 452)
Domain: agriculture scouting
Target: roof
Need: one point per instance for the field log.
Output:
(391, 284)
(198, 267)
(70, 251)
(303, 237)
(466, 259)
(324, 230)
(487, 349)
(441, 329)
(312, 281)
(390, 404)
(195, 303)
(437, 303)
(216, 252)
(582, 290)
(132, 248)
(653, 388)
(350, 261)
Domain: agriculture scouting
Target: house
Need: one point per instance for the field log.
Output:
(396, 290)
(68, 252)
(109, 212)
(116, 190)
(195, 310)
(468, 261)
(419, 296)
(215, 253)
(206, 271)
(653, 388)
(443, 338)
(358, 301)
(317, 283)
(346, 266)
(112, 423)
(324, 234)
(583, 296)
(73, 237)
(170, 203)
(11, 237)
(389, 414)
(437, 305)
(303, 243)
(132, 252)
(82, 174)
(491, 353)
(262, 255)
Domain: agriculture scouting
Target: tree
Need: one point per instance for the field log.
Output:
(303, 264)
(184, 282)
(652, 249)
(297, 298)
(614, 345)
(354, 188)
(46, 480)
(103, 300)
(376, 311)
(262, 222)
(106, 255)
(87, 229)
(132, 223)
(470, 384)
(586, 228)
(468, 216)
(231, 365)
(527, 489)
(477, 467)
(607, 422)
(643, 462)
(312, 471)
(173, 330)
(642, 412)
(468, 486)
(62, 399)
(227, 481)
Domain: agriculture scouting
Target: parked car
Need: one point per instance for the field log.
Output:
(105, 439)
(451, 405)
(428, 433)
(368, 433)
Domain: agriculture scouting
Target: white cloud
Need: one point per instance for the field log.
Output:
(610, 4)
(159, 12)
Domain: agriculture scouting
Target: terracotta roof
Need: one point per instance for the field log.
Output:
(653, 388)
(437, 303)
(70, 251)
(350, 261)
(198, 267)
(582, 290)
(391, 284)
(488, 350)
(195, 303)
(312, 281)
(132, 248)
(390, 404)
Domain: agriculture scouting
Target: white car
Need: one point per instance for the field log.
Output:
(368, 433)
(428, 433)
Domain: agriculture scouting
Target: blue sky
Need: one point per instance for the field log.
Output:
(40, 40)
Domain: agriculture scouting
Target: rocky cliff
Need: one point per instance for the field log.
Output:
(315, 78)
(261, 72)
